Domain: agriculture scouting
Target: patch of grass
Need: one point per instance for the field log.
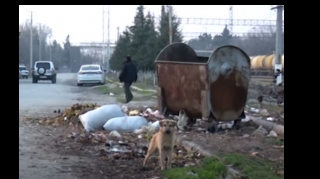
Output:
(144, 92)
(274, 141)
(31, 119)
(114, 79)
(254, 168)
(107, 90)
(144, 85)
(136, 98)
(215, 167)
(211, 168)
(121, 99)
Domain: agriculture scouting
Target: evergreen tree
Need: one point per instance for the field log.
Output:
(224, 39)
(139, 36)
(164, 28)
(203, 42)
(149, 50)
(121, 50)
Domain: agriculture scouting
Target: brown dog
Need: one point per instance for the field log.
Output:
(163, 140)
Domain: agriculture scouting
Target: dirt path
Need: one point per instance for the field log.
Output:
(38, 151)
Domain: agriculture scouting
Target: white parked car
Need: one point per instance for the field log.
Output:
(90, 74)
(23, 71)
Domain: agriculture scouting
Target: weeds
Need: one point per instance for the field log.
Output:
(211, 168)
(107, 90)
(215, 167)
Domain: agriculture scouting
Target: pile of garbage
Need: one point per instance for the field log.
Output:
(265, 114)
(129, 146)
(70, 115)
(139, 121)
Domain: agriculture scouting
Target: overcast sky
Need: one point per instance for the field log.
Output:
(84, 22)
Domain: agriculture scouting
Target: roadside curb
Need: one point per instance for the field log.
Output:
(133, 87)
(192, 147)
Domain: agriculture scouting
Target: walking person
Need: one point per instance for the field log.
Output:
(128, 75)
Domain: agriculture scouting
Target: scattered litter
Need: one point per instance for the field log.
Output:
(115, 133)
(264, 113)
(189, 164)
(192, 174)
(183, 120)
(156, 125)
(111, 94)
(270, 119)
(225, 125)
(124, 108)
(254, 154)
(272, 134)
(140, 131)
(133, 113)
(254, 110)
(260, 132)
(247, 119)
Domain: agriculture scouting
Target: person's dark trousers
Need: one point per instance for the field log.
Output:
(127, 91)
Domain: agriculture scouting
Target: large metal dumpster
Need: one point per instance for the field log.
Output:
(212, 87)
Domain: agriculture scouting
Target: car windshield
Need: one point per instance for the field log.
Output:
(43, 65)
(22, 68)
(85, 68)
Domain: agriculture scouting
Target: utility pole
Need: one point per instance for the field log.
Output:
(170, 23)
(108, 66)
(102, 35)
(279, 43)
(118, 35)
(50, 48)
(231, 18)
(40, 42)
(31, 42)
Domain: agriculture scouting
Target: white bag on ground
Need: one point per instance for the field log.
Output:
(95, 119)
(156, 125)
(125, 124)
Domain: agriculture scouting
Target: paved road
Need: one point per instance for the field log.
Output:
(42, 97)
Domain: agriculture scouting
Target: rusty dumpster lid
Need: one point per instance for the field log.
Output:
(177, 52)
(235, 56)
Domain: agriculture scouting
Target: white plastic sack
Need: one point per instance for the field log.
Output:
(156, 125)
(125, 124)
(95, 119)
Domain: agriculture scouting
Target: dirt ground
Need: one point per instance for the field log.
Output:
(87, 158)
(39, 155)
(46, 151)
(241, 141)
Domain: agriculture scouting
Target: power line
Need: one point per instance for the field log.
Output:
(235, 22)
(235, 34)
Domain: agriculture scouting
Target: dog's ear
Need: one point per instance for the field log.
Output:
(161, 123)
(174, 123)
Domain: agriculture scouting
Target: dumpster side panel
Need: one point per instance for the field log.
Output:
(182, 85)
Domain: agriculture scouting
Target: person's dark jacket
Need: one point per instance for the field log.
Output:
(128, 73)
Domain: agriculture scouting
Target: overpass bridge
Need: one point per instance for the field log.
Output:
(100, 46)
